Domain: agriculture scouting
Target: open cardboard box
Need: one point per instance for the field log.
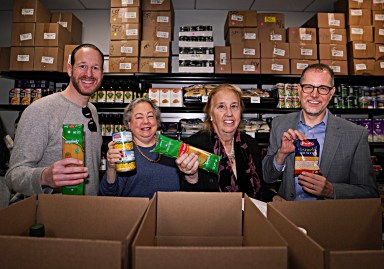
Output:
(206, 230)
(80, 232)
(340, 233)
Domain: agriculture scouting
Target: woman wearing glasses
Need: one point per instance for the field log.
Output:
(240, 166)
(153, 171)
(345, 164)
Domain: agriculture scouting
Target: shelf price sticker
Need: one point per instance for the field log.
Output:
(204, 98)
(255, 100)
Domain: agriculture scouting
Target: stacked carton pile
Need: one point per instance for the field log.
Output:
(302, 48)
(37, 40)
(155, 49)
(140, 28)
(361, 49)
(378, 25)
(332, 40)
(274, 48)
(240, 30)
(125, 33)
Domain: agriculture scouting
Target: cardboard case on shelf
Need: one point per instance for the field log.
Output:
(123, 64)
(333, 52)
(125, 15)
(338, 67)
(223, 60)
(246, 49)
(332, 36)
(48, 59)
(272, 35)
(21, 58)
(80, 232)
(30, 11)
(155, 48)
(67, 55)
(23, 34)
(243, 18)
(245, 66)
(361, 66)
(275, 50)
(275, 66)
(125, 3)
(303, 51)
(125, 31)
(154, 65)
(156, 5)
(297, 66)
(215, 233)
(302, 35)
(326, 20)
(72, 23)
(360, 33)
(52, 35)
(361, 50)
(338, 233)
(126, 48)
(241, 34)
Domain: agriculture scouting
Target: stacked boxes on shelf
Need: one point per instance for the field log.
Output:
(155, 49)
(274, 48)
(302, 48)
(125, 33)
(196, 49)
(378, 25)
(332, 46)
(38, 39)
(241, 35)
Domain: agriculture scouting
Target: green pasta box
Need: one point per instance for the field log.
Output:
(73, 147)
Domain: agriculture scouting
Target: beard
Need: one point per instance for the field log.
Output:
(77, 87)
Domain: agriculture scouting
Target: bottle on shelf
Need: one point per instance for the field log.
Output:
(128, 94)
(111, 93)
(102, 94)
(119, 94)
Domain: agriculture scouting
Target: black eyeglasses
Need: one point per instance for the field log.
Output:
(88, 114)
(322, 89)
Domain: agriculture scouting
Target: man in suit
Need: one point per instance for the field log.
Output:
(345, 166)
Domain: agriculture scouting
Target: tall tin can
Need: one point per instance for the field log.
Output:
(123, 141)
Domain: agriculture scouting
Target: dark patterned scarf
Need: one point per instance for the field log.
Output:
(247, 180)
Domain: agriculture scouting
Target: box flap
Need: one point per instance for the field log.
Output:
(89, 217)
(258, 231)
(211, 257)
(356, 259)
(199, 241)
(358, 219)
(180, 213)
(19, 217)
(59, 254)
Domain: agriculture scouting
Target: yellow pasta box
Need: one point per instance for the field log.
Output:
(73, 147)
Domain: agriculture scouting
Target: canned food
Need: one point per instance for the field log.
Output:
(363, 102)
(380, 102)
(365, 91)
(123, 141)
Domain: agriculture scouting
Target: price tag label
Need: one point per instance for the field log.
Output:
(255, 100)
(204, 98)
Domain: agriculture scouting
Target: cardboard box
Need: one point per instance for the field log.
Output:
(378, 18)
(154, 95)
(245, 50)
(377, 5)
(360, 33)
(155, 48)
(157, 32)
(297, 66)
(21, 59)
(125, 31)
(5, 55)
(170, 238)
(125, 15)
(125, 3)
(156, 5)
(245, 66)
(223, 60)
(165, 98)
(244, 18)
(160, 18)
(275, 50)
(303, 51)
(30, 11)
(333, 52)
(361, 50)
(176, 97)
(379, 51)
(326, 20)
(271, 20)
(69, 21)
(302, 35)
(67, 55)
(272, 35)
(154, 65)
(378, 35)
(275, 66)
(48, 59)
(332, 36)
(338, 67)
(361, 66)
(379, 68)
(241, 35)
(52, 35)
(126, 48)
(123, 64)
(361, 17)
(91, 231)
(23, 34)
(345, 5)
(342, 233)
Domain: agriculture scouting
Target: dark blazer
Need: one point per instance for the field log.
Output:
(208, 182)
(345, 160)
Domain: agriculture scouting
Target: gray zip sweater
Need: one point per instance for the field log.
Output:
(38, 144)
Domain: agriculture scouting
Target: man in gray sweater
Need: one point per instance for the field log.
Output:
(36, 165)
